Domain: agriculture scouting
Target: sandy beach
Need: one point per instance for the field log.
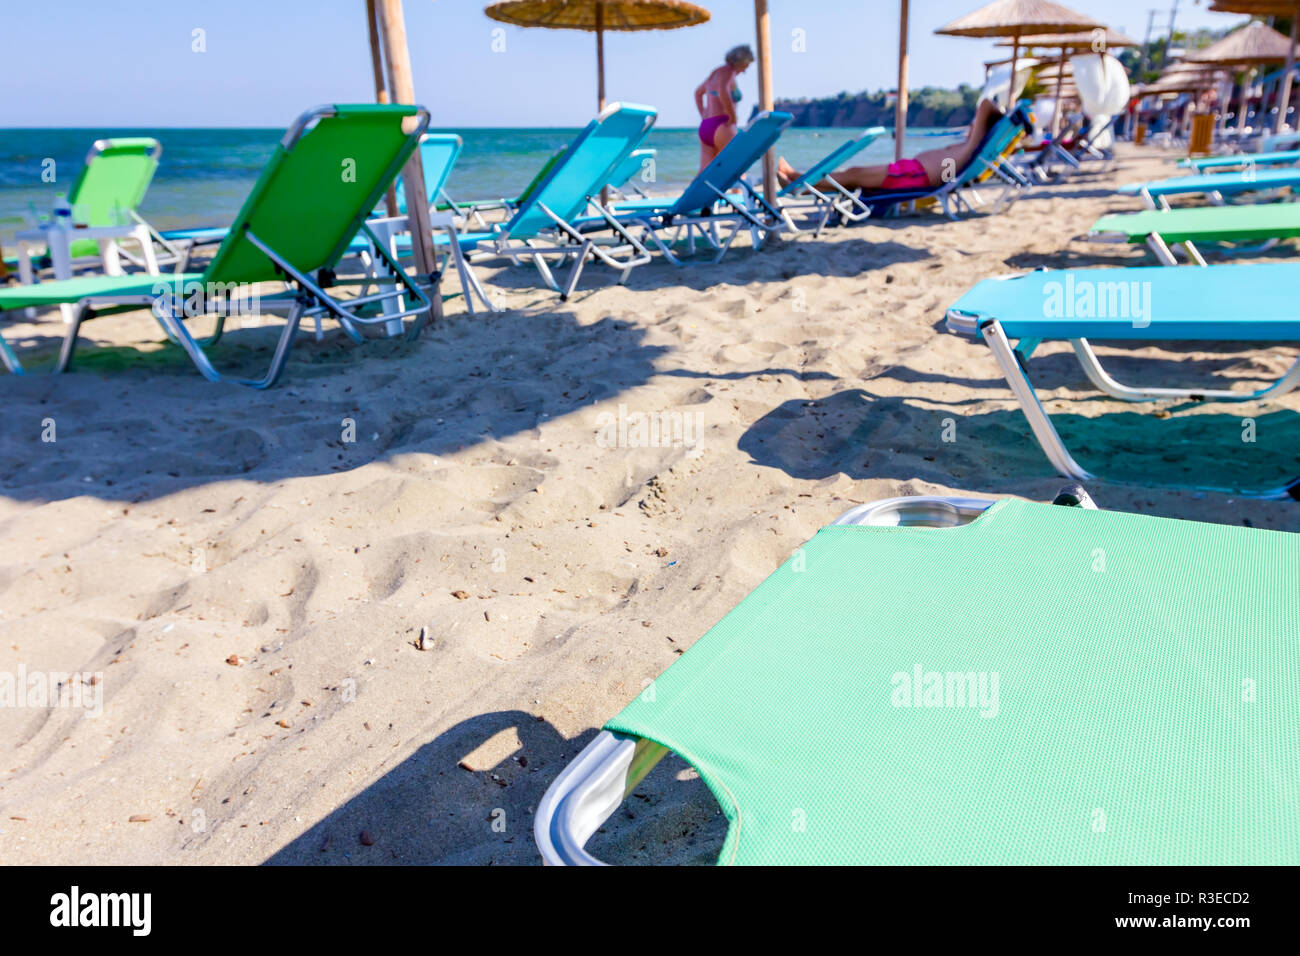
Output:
(252, 585)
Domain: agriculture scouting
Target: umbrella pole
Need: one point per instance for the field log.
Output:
(764, 31)
(600, 57)
(381, 89)
(1284, 101)
(1244, 103)
(398, 56)
(900, 104)
(600, 79)
(1011, 84)
(1056, 111)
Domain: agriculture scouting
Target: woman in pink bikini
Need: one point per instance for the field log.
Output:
(716, 99)
(923, 171)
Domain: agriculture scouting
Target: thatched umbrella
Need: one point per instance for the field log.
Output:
(1278, 8)
(1017, 19)
(597, 16)
(1250, 46)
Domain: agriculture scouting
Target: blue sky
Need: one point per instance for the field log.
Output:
(131, 63)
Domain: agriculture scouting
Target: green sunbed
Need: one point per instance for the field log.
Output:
(1159, 229)
(965, 682)
(314, 194)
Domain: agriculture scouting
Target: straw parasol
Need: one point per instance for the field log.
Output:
(597, 16)
(1253, 44)
(1017, 19)
(1278, 8)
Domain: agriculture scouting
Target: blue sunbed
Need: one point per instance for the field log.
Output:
(844, 202)
(1205, 164)
(708, 200)
(988, 161)
(1254, 302)
(1215, 187)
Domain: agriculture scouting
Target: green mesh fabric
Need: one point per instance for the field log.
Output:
(1147, 707)
(312, 198)
(74, 290)
(1207, 223)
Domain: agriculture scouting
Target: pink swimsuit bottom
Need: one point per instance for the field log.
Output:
(709, 128)
(906, 174)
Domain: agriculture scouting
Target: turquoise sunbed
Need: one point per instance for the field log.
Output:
(959, 196)
(1253, 302)
(635, 167)
(546, 222)
(1264, 223)
(1215, 187)
(1210, 164)
(708, 202)
(840, 202)
(294, 227)
(940, 681)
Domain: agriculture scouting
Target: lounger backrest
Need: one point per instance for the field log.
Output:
(998, 140)
(317, 189)
(438, 154)
(114, 180)
(834, 159)
(632, 166)
(582, 169)
(733, 162)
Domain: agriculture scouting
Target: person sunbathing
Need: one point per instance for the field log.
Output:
(923, 171)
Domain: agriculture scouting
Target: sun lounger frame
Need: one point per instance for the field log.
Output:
(1012, 362)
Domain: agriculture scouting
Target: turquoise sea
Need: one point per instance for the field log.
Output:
(206, 173)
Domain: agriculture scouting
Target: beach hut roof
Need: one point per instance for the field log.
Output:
(1253, 43)
(613, 14)
(1016, 18)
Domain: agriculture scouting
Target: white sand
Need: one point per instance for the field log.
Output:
(174, 524)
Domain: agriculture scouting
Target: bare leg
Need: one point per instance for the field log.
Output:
(851, 177)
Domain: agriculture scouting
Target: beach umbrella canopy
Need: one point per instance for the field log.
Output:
(1278, 8)
(1017, 19)
(597, 16)
(1253, 44)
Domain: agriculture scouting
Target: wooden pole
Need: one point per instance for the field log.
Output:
(1284, 99)
(900, 104)
(600, 57)
(1011, 84)
(381, 88)
(1056, 112)
(764, 30)
(1246, 79)
(400, 81)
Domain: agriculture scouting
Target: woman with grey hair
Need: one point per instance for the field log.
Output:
(716, 99)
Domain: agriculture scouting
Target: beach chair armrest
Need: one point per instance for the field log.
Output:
(587, 793)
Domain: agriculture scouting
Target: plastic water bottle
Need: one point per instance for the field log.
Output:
(62, 211)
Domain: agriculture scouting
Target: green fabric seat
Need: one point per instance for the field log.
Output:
(314, 194)
(1206, 223)
(1146, 709)
(74, 290)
